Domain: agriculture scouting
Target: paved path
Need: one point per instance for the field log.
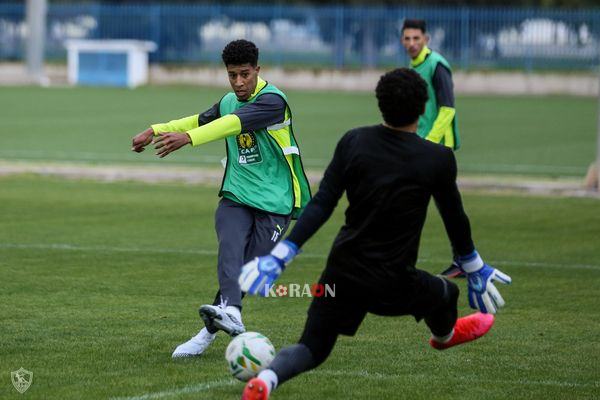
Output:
(192, 175)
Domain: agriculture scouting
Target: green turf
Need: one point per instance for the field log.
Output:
(530, 135)
(99, 282)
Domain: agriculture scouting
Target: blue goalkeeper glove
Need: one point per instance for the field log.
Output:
(258, 275)
(483, 295)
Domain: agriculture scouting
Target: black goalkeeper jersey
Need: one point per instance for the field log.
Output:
(389, 177)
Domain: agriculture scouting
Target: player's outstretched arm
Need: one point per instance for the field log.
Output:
(173, 135)
(144, 138)
(259, 274)
(449, 204)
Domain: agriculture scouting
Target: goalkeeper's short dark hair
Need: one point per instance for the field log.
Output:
(401, 95)
(240, 52)
(414, 24)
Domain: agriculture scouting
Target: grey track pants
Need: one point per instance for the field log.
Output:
(243, 233)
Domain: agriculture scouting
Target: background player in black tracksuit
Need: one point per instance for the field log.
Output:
(389, 175)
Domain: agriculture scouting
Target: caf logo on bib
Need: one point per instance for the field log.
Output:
(248, 149)
(246, 140)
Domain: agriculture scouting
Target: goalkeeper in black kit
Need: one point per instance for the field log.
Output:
(389, 175)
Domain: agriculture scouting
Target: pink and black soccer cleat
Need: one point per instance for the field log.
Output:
(256, 389)
(466, 330)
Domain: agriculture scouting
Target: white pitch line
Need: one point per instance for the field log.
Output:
(204, 252)
(116, 249)
(380, 376)
(592, 267)
(204, 387)
(197, 388)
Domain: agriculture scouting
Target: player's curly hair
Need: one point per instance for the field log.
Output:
(240, 52)
(415, 24)
(401, 95)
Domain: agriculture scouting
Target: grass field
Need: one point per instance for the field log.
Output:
(99, 282)
(526, 135)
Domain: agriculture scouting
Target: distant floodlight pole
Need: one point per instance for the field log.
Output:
(36, 31)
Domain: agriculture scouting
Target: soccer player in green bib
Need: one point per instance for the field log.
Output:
(264, 184)
(438, 122)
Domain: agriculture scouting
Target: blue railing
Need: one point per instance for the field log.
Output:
(314, 36)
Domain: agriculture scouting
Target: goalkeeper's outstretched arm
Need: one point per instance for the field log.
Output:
(258, 275)
(321, 206)
(450, 205)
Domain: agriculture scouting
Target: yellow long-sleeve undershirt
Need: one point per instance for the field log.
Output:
(220, 128)
(442, 127)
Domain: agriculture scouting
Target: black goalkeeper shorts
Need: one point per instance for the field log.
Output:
(419, 295)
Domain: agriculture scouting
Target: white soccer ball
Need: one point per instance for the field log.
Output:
(248, 354)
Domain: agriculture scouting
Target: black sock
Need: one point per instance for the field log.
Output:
(442, 321)
(292, 361)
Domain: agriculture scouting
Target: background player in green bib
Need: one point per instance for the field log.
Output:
(438, 123)
(264, 184)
